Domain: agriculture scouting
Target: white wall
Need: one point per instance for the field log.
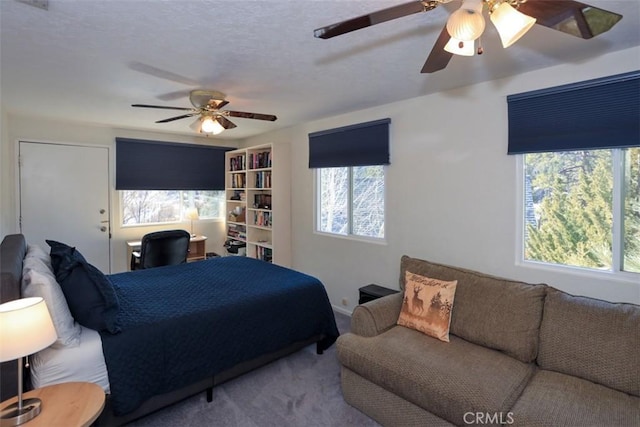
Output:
(18, 127)
(452, 194)
(4, 183)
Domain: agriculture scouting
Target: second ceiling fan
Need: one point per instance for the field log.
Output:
(512, 18)
(207, 105)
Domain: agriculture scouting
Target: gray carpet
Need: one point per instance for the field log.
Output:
(302, 389)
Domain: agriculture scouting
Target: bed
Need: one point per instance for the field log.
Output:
(177, 330)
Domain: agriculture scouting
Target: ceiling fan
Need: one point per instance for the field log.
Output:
(207, 105)
(512, 19)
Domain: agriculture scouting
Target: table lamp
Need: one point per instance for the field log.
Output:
(192, 214)
(25, 328)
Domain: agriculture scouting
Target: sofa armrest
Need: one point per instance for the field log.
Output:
(375, 317)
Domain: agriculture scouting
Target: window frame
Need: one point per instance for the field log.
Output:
(156, 224)
(617, 160)
(349, 236)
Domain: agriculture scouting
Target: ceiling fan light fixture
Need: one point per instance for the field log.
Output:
(459, 47)
(209, 125)
(510, 23)
(467, 23)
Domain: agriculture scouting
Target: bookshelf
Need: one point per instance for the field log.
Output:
(258, 201)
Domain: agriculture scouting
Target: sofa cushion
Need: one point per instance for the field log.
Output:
(591, 339)
(494, 312)
(383, 406)
(447, 379)
(427, 305)
(555, 399)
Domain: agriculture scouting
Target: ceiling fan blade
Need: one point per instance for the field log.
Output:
(374, 18)
(438, 57)
(258, 116)
(226, 123)
(571, 17)
(217, 103)
(172, 96)
(162, 107)
(170, 119)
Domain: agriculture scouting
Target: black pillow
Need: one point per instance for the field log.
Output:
(63, 257)
(89, 293)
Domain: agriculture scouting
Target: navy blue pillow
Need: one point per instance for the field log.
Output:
(63, 258)
(89, 293)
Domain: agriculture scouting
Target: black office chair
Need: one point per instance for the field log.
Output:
(161, 248)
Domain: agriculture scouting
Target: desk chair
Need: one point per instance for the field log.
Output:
(161, 248)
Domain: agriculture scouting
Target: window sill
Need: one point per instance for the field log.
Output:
(362, 239)
(617, 276)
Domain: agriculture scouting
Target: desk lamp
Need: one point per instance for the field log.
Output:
(192, 214)
(25, 328)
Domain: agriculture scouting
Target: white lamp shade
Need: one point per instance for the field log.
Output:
(467, 23)
(25, 328)
(459, 47)
(510, 23)
(209, 125)
(192, 214)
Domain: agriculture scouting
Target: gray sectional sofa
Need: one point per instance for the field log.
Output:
(519, 354)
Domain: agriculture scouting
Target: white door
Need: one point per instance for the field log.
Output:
(64, 196)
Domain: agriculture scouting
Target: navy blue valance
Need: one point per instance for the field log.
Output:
(160, 165)
(363, 144)
(594, 114)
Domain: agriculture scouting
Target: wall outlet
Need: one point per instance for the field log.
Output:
(345, 301)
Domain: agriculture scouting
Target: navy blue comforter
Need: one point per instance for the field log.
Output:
(181, 324)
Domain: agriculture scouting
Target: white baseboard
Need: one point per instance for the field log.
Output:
(342, 310)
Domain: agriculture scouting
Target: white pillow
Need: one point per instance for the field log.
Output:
(43, 284)
(35, 251)
(35, 264)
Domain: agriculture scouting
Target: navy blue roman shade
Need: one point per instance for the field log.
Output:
(159, 165)
(364, 144)
(594, 114)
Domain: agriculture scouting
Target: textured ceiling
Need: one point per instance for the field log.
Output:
(88, 60)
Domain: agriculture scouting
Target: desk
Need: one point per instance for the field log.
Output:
(76, 404)
(196, 249)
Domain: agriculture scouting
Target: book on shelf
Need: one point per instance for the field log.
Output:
(262, 219)
(262, 201)
(238, 195)
(264, 254)
(238, 180)
(236, 231)
(263, 179)
(260, 160)
(237, 163)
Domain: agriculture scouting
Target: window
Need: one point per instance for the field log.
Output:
(582, 208)
(152, 207)
(351, 201)
(350, 176)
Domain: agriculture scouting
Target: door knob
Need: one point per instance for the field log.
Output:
(103, 229)
(102, 211)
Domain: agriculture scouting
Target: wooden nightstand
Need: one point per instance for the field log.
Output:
(75, 404)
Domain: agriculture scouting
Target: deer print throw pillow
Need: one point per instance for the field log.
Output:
(427, 305)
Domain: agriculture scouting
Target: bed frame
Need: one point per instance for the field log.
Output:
(12, 252)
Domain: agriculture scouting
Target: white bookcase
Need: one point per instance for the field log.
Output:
(257, 182)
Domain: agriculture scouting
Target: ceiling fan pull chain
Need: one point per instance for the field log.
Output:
(480, 48)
